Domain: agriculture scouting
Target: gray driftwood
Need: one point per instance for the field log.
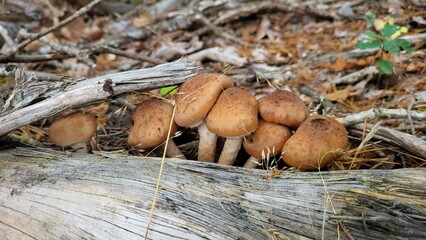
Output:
(94, 89)
(49, 195)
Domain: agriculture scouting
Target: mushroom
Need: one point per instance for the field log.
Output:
(194, 100)
(283, 107)
(233, 116)
(151, 122)
(73, 130)
(314, 143)
(267, 140)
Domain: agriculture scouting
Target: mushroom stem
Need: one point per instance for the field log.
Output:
(251, 162)
(80, 147)
(230, 151)
(173, 150)
(207, 144)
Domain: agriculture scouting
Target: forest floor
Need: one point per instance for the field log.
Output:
(307, 47)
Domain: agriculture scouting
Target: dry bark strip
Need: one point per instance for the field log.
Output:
(98, 88)
(48, 195)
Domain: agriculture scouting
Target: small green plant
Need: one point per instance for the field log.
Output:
(386, 39)
(169, 90)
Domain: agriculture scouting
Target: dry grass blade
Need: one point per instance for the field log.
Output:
(364, 156)
(365, 140)
(157, 189)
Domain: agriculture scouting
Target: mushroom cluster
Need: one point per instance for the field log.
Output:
(194, 101)
(264, 127)
(212, 104)
(312, 146)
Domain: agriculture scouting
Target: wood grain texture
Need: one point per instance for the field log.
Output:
(49, 195)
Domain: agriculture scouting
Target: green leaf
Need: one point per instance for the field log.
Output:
(168, 90)
(391, 46)
(388, 30)
(371, 34)
(404, 44)
(370, 17)
(366, 43)
(395, 45)
(385, 67)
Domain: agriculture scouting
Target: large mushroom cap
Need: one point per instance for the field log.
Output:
(283, 107)
(314, 143)
(196, 97)
(268, 138)
(72, 128)
(151, 122)
(234, 114)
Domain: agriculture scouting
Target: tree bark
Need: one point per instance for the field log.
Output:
(45, 194)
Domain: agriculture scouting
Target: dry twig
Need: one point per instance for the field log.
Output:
(404, 140)
(381, 112)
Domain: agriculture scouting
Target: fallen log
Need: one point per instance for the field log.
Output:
(45, 194)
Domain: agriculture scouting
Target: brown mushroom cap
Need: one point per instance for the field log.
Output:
(314, 143)
(196, 97)
(72, 128)
(234, 114)
(268, 138)
(283, 107)
(151, 122)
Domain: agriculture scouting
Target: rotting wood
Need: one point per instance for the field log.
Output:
(46, 194)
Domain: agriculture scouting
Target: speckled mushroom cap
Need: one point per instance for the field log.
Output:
(151, 122)
(234, 114)
(283, 107)
(314, 143)
(72, 128)
(197, 96)
(268, 137)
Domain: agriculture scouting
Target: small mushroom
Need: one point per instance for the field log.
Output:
(151, 121)
(267, 140)
(194, 100)
(315, 142)
(73, 130)
(233, 116)
(283, 107)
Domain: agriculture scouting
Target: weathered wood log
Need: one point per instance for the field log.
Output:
(51, 195)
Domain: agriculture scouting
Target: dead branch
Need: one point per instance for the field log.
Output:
(39, 75)
(407, 141)
(229, 55)
(98, 88)
(383, 113)
(108, 49)
(357, 76)
(225, 55)
(26, 58)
